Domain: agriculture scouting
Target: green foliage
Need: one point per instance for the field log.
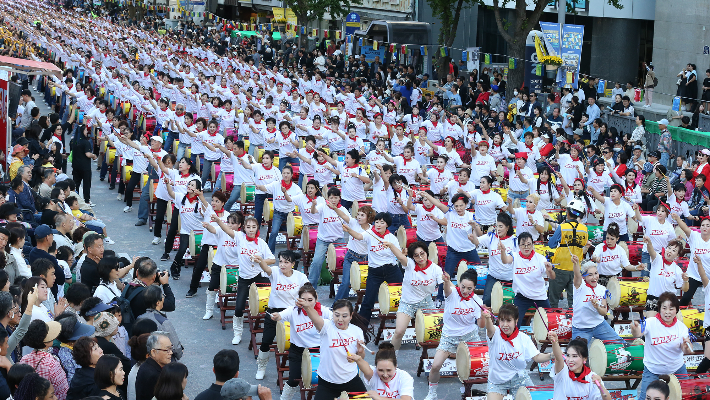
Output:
(310, 10)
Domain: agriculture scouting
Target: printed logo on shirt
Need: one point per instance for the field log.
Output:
(525, 269)
(615, 215)
(463, 311)
(417, 282)
(342, 342)
(457, 225)
(658, 232)
(304, 326)
(606, 259)
(286, 287)
(388, 394)
(508, 356)
(483, 202)
(665, 273)
(701, 251)
(656, 341)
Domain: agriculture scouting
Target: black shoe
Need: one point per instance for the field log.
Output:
(191, 293)
(165, 257)
(102, 179)
(141, 222)
(176, 277)
(112, 187)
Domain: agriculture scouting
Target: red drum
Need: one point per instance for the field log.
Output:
(335, 257)
(472, 360)
(230, 132)
(150, 124)
(560, 322)
(441, 251)
(682, 263)
(634, 252)
(692, 389)
(408, 237)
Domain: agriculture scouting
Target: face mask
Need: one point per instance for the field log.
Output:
(515, 92)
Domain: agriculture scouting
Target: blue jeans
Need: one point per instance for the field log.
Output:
(513, 196)
(288, 160)
(375, 276)
(182, 148)
(646, 259)
(143, 204)
(490, 281)
(347, 204)
(318, 259)
(207, 171)
(397, 221)
(665, 159)
(603, 332)
(523, 304)
(453, 258)
(259, 207)
(233, 197)
(428, 242)
(649, 377)
(218, 182)
(169, 139)
(252, 149)
(348, 260)
(276, 225)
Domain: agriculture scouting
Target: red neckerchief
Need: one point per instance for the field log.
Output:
(529, 147)
(470, 296)
(322, 163)
(663, 254)
(284, 136)
(675, 319)
(630, 188)
(191, 198)
(382, 236)
(255, 239)
(441, 171)
(485, 191)
(387, 384)
(399, 191)
(91, 98)
(212, 134)
(224, 86)
(308, 151)
(435, 123)
(189, 125)
(532, 253)
(589, 286)
(503, 238)
(180, 114)
(428, 209)
(310, 200)
(268, 169)
(678, 201)
(185, 175)
(509, 338)
(317, 307)
(219, 212)
(354, 138)
(531, 212)
(102, 111)
(574, 159)
(156, 151)
(585, 371)
(460, 184)
(283, 183)
(606, 247)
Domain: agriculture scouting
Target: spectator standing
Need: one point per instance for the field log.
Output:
(664, 143)
(160, 350)
(649, 85)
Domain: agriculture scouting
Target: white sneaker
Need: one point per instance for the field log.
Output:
(107, 240)
(156, 240)
(432, 394)
(119, 197)
(92, 204)
(127, 209)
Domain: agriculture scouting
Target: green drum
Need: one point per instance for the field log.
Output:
(615, 358)
(247, 194)
(596, 233)
(195, 244)
(229, 277)
(501, 295)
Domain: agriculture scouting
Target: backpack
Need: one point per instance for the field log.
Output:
(124, 304)
(655, 81)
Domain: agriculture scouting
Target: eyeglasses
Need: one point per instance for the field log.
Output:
(526, 245)
(421, 254)
(169, 350)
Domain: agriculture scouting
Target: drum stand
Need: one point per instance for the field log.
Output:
(336, 280)
(425, 355)
(255, 327)
(223, 303)
(383, 326)
(281, 367)
(307, 394)
(468, 386)
(618, 311)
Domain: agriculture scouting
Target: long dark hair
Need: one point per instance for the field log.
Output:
(32, 387)
(357, 319)
(549, 180)
(169, 385)
(197, 202)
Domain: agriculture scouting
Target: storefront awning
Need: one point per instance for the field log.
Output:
(29, 67)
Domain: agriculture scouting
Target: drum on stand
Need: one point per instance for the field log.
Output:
(428, 325)
(309, 368)
(258, 298)
(552, 320)
(471, 360)
(358, 275)
(406, 236)
(228, 279)
(626, 293)
(309, 237)
(195, 244)
(283, 336)
(501, 295)
(335, 256)
(248, 193)
(294, 225)
(615, 358)
(388, 297)
(693, 319)
(689, 389)
(268, 210)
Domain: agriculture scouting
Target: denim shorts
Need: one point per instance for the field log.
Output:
(411, 308)
(450, 343)
(513, 384)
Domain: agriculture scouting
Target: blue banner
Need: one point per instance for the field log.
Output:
(352, 23)
(370, 54)
(571, 52)
(552, 34)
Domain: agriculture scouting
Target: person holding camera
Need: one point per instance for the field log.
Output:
(147, 274)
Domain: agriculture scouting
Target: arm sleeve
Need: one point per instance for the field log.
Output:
(169, 304)
(19, 333)
(555, 239)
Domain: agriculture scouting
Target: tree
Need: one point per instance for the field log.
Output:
(525, 21)
(309, 10)
(448, 13)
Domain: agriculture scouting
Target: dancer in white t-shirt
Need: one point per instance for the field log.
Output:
(573, 377)
(705, 363)
(385, 380)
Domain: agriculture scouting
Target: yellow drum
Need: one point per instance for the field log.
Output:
(553, 216)
(127, 169)
(358, 276)
(151, 191)
(110, 156)
(268, 210)
(103, 146)
(283, 336)
(388, 297)
(259, 153)
(693, 319)
(294, 225)
(427, 325)
(502, 192)
(626, 293)
(258, 298)
(276, 162)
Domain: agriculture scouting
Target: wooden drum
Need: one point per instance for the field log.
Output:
(358, 275)
(626, 293)
(554, 320)
(258, 298)
(283, 336)
(428, 325)
(615, 358)
(309, 368)
(388, 297)
(471, 360)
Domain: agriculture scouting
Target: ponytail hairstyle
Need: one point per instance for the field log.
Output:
(613, 230)
(307, 288)
(394, 178)
(505, 219)
(386, 352)
(357, 319)
(193, 169)
(197, 202)
(237, 218)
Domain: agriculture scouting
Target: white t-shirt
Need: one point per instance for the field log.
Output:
(228, 248)
(393, 206)
(496, 268)
(410, 170)
(322, 173)
(352, 187)
(482, 166)
(678, 208)
(547, 196)
(664, 278)
(398, 145)
(427, 228)
(523, 223)
(598, 182)
(452, 188)
(706, 294)
(568, 168)
(660, 234)
(567, 389)
(307, 166)
(208, 237)
(335, 344)
(517, 184)
(618, 214)
(247, 268)
(330, 225)
(304, 206)
(529, 276)
(280, 203)
(191, 213)
(241, 174)
(457, 230)
(265, 176)
(358, 246)
(401, 384)
(439, 179)
(107, 292)
(486, 205)
(700, 248)
(379, 195)
(454, 158)
(662, 352)
(379, 254)
(611, 261)
(585, 315)
(284, 289)
(417, 285)
(303, 333)
(506, 360)
(460, 316)
(161, 191)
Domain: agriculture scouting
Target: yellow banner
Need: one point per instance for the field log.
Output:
(279, 13)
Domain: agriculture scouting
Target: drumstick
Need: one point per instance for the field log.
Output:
(537, 309)
(343, 345)
(367, 348)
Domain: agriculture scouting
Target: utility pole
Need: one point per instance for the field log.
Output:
(561, 9)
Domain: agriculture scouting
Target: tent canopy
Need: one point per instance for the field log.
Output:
(28, 67)
(274, 35)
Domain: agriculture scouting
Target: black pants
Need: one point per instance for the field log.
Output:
(200, 266)
(172, 232)
(178, 262)
(243, 292)
(389, 273)
(83, 175)
(267, 339)
(161, 207)
(649, 202)
(215, 274)
(329, 391)
(295, 353)
(688, 296)
(132, 183)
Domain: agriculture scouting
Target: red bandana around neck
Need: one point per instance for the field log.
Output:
(509, 338)
(318, 307)
(287, 186)
(191, 198)
(606, 247)
(675, 319)
(485, 191)
(469, 297)
(417, 268)
(255, 239)
(381, 236)
(665, 261)
(585, 371)
(532, 253)
(428, 209)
